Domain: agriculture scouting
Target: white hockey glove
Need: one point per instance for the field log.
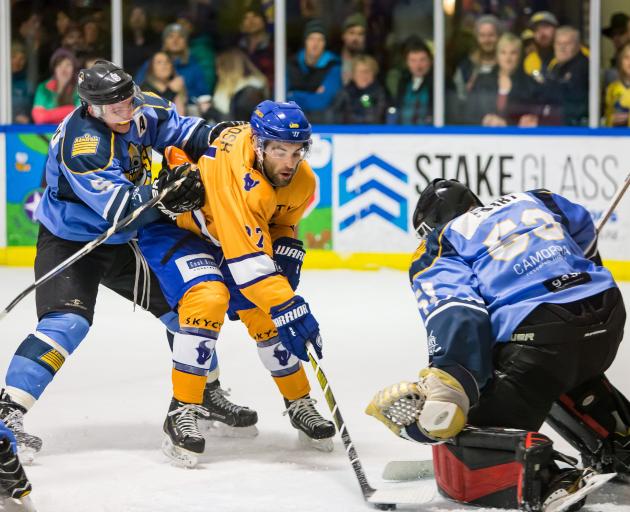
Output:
(431, 410)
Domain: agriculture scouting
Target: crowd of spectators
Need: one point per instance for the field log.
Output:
(357, 62)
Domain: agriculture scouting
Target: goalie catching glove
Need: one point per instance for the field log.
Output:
(187, 196)
(431, 410)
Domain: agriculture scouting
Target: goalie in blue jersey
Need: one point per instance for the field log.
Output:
(522, 321)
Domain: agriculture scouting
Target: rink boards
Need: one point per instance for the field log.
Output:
(369, 181)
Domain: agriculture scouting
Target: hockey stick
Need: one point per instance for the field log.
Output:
(90, 246)
(613, 204)
(382, 499)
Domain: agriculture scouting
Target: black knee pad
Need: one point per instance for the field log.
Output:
(495, 467)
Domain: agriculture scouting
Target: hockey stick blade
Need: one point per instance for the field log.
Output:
(408, 470)
(90, 246)
(383, 499)
(403, 495)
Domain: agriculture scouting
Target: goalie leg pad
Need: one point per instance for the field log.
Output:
(494, 467)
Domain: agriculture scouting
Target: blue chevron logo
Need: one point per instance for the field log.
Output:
(379, 185)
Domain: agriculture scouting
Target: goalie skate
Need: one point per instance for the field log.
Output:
(572, 491)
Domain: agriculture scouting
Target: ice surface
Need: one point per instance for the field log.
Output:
(101, 418)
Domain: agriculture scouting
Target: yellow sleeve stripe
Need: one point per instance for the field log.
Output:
(437, 257)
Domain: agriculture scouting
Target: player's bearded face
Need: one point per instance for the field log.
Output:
(281, 160)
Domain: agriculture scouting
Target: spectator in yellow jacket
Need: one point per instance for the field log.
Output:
(617, 103)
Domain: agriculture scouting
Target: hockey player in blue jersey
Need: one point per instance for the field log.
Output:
(522, 321)
(98, 171)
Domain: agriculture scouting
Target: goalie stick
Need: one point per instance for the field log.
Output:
(90, 246)
(382, 499)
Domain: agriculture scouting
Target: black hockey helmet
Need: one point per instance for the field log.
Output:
(105, 83)
(441, 201)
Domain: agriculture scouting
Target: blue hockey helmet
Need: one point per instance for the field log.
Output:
(280, 121)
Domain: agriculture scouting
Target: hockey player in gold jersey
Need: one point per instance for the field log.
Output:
(245, 260)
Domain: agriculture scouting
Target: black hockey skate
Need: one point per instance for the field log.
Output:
(313, 429)
(227, 419)
(12, 415)
(183, 440)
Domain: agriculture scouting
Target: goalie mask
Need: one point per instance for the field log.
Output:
(440, 202)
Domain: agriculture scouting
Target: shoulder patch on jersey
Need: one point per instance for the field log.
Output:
(87, 145)
(250, 182)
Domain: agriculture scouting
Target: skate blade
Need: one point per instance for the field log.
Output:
(26, 454)
(179, 456)
(218, 429)
(592, 484)
(321, 445)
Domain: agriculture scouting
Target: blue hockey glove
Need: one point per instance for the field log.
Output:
(297, 327)
(289, 253)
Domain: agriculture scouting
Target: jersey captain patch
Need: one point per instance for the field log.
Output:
(85, 145)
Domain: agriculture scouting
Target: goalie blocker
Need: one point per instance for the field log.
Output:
(503, 468)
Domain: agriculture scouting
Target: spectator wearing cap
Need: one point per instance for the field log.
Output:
(363, 100)
(175, 45)
(353, 43)
(567, 83)
(256, 42)
(413, 88)
(543, 24)
(57, 97)
(618, 31)
(617, 103)
(314, 74)
(483, 58)
(527, 39)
